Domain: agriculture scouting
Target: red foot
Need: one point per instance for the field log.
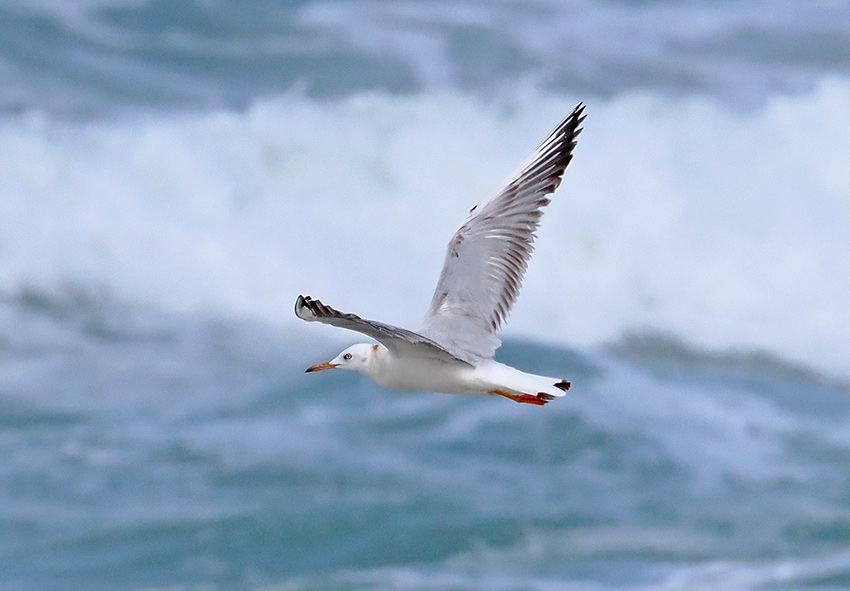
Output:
(538, 399)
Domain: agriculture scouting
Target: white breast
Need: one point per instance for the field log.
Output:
(410, 373)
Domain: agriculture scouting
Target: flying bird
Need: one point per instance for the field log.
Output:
(453, 349)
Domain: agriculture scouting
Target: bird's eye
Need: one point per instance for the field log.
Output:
(347, 356)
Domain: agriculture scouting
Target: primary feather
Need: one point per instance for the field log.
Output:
(487, 257)
(400, 341)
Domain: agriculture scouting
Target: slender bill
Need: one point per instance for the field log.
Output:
(321, 366)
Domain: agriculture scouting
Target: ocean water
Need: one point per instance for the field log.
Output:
(174, 174)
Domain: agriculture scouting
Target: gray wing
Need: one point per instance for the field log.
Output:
(487, 257)
(398, 340)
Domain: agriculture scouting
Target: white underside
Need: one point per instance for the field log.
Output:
(487, 376)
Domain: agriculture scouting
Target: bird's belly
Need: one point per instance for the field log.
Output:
(427, 375)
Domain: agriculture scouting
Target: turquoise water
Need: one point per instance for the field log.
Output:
(173, 175)
(144, 451)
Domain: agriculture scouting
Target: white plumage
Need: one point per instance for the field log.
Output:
(485, 261)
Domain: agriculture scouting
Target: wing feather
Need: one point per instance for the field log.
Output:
(487, 257)
(398, 340)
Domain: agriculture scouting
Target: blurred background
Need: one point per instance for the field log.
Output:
(174, 174)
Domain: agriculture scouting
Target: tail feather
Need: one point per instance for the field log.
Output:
(563, 385)
(541, 393)
(551, 387)
(520, 386)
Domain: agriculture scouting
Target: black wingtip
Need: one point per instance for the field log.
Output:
(576, 119)
(563, 385)
(305, 307)
(572, 124)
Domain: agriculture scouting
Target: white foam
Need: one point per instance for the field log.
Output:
(728, 229)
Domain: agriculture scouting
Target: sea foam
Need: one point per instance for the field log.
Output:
(725, 228)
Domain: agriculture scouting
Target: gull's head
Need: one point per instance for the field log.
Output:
(356, 358)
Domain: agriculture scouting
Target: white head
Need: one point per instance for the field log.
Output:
(356, 358)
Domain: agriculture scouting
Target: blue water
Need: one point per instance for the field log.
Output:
(173, 174)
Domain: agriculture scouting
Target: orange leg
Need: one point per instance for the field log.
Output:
(538, 399)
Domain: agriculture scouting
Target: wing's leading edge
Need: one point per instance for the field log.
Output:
(398, 340)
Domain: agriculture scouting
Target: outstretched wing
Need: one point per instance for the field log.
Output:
(398, 340)
(487, 257)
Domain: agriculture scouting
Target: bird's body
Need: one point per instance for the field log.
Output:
(411, 373)
(485, 261)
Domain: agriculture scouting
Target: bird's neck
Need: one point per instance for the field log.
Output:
(379, 358)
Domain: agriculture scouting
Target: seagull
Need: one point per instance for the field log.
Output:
(452, 352)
